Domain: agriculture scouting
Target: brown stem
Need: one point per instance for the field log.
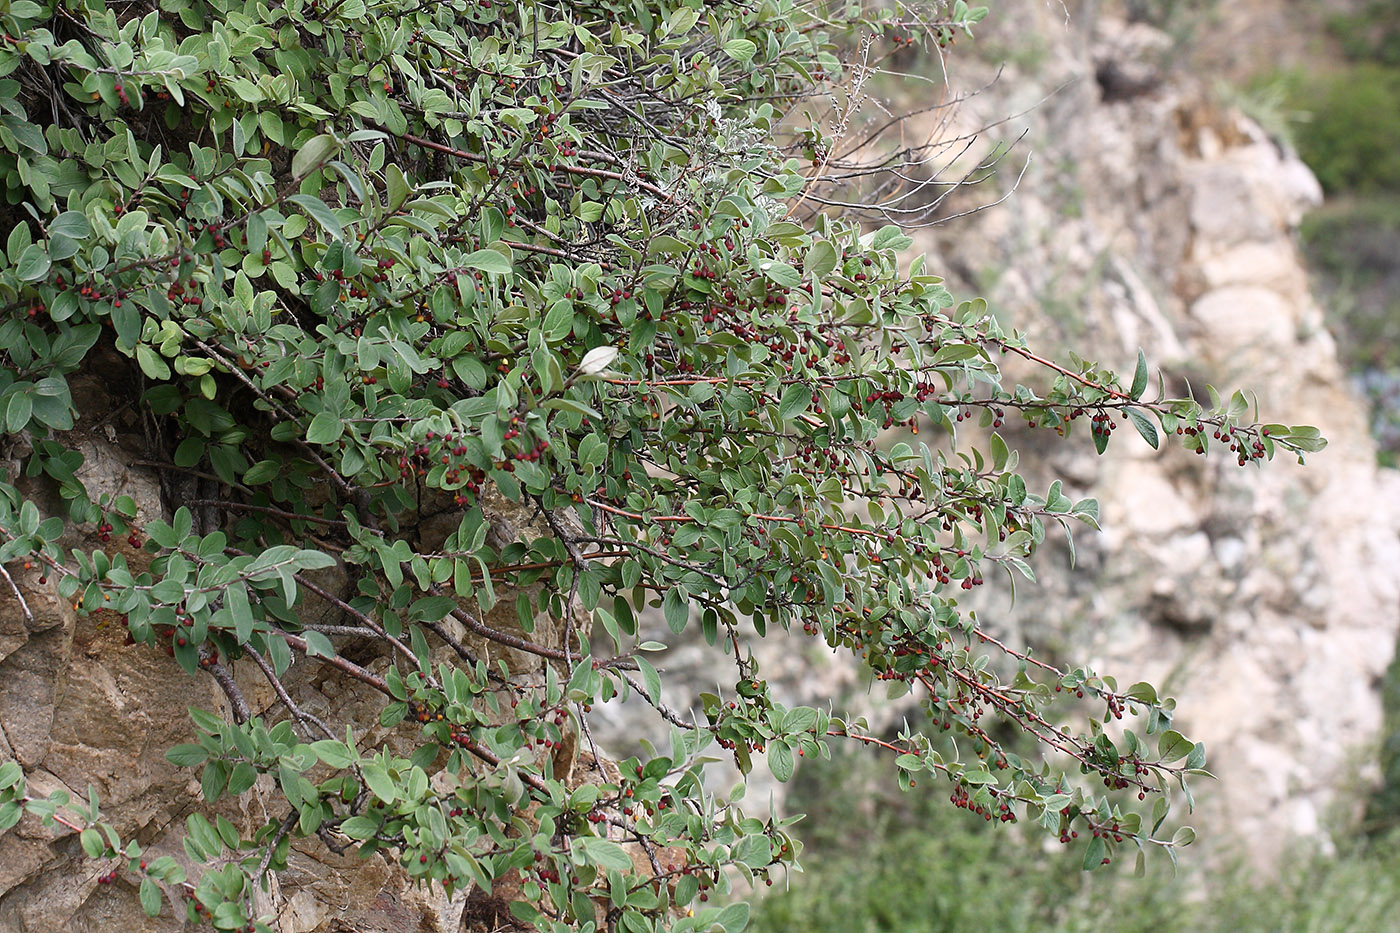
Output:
(225, 680)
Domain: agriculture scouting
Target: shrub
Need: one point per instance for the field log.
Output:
(1351, 137)
(1369, 33)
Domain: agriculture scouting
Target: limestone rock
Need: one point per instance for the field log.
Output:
(1268, 602)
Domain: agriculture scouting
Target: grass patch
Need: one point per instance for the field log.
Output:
(912, 864)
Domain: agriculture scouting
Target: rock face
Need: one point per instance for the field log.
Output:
(1267, 602)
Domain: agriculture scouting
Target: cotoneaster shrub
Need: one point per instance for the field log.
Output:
(372, 263)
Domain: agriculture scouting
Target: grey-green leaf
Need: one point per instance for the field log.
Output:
(487, 260)
(677, 608)
(33, 263)
(312, 153)
(1140, 378)
(325, 428)
(794, 402)
(1144, 426)
(318, 211)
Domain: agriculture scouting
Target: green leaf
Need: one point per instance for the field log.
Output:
(1139, 378)
(650, 678)
(312, 153)
(325, 428)
(18, 411)
(25, 9)
(151, 364)
(1143, 691)
(741, 50)
(187, 755)
(733, 918)
(71, 224)
(201, 832)
(393, 714)
(1094, 853)
(150, 897)
(799, 720)
(604, 853)
(676, 606)
(1144, 426)
(271, 126)
(236, 599)
(262, 472)
(332, 752)
(92, 842)
(190, 452)
(317, 210)
(318, 645)
(667, 245)
(781, 273)
(487, 260)
(680, 22)
(396, 186)
(359, 827)
(241, 779)
(307, 559)
(431, 608)
(1100, 441)
(1000, 452)
(796, 398)
(33, 263)
(820, 260)
(377, 778)
(1173, 745)
(1159, 812)
(780, 760)
(889, 236)
(957, 352)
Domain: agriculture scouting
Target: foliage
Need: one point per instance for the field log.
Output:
(1182, 20)
(373, 265)
(1347, 123)
(1353, 122)
(1353, 250)
(1370, 32)
(1383, 809)
(915, 867)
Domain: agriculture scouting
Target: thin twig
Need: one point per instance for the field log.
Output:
(668, 714)
(224, 679)
(297, 712)
(24, 606)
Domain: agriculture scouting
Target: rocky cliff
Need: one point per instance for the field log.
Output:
(1153, 216)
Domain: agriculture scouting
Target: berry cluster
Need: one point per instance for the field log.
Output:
(962, 799)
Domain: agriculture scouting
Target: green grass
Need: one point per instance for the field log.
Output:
(910, 863)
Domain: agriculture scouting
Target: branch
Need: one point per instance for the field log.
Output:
(287, 701)
(225, 680)
(24, 606)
